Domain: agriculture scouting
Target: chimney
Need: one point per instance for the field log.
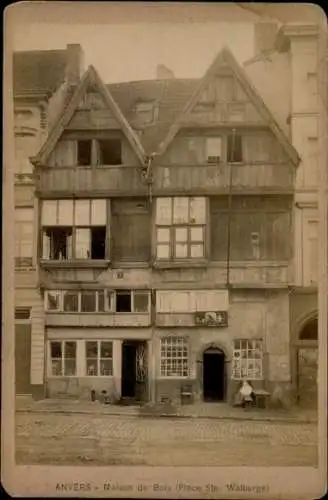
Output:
(75, 63)
(164, 73)
(264, 37)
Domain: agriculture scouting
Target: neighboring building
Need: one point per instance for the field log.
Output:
(163, 222)
(287, 76)
(41, 80)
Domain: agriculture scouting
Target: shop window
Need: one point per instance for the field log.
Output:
(247, 360)
(99, 358)
(63, 358)
(174, 357)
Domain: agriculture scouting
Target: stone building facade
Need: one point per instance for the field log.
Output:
(162, 228)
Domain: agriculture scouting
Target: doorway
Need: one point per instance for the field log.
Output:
(134, 370)
(213, 374)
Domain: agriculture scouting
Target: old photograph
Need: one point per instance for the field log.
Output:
(167, 242)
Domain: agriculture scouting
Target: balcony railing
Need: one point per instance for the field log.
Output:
(192, 179)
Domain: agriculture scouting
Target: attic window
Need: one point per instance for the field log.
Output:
(145, 111)
(84, 149)
(110, 152)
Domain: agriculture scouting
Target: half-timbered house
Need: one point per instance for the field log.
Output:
(164, 239)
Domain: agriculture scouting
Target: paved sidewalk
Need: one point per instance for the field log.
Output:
(200, 410)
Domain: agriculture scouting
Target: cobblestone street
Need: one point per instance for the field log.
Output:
(116, 440)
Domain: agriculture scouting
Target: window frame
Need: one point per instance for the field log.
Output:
(259, 346)
(109, 301)
(173, 226)
(184, 343)
(71, 246)
(99, 358)
(62, 358)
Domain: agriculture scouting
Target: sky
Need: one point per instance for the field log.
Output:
(130, 52)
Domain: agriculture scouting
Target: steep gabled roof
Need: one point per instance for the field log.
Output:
(89, 78)
(169, 97)
(225, 57)
(38, 70)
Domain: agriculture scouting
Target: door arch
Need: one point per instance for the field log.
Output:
(306, 363)
(214, 374)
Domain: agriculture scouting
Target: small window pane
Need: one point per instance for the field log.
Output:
(106, 367)
(49, 213)
(65, 212)
(101, 301)
(82, 212)
(181, 234)
(106, 350)
(98, 212)
(88, 301)
(196, 251)
(92, 367)
(163, 235)
(56, 367)
(70, 350)
(164, 211)
(82, 244)
(71, 302)
(198, 210)
(141, 300)
(53, 301)
(56, 349)
(180, 210)
(163, 251)
(181, 251)
(69, 367)
(91, 349)
(196, 234)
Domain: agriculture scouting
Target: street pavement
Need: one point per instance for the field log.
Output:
(127, 440)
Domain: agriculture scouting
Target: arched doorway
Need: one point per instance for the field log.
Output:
(213, 374)
(307, 364)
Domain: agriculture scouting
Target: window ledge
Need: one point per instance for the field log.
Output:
(74, 263)
(169, 264)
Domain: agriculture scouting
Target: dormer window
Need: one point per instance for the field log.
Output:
(213, 149)
(145, 111)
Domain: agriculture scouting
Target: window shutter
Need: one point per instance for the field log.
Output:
(164, 211)
(65, 213)
(82, 212)
(82, 248)
(49, 213)
(98, 212)
(45, 246)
